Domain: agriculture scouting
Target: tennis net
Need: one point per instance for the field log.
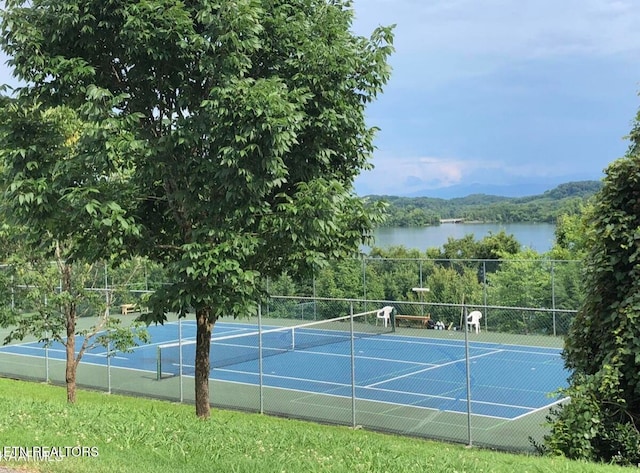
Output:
(239, 348)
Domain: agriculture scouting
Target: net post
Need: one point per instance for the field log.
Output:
(293, 338)
(392, 320)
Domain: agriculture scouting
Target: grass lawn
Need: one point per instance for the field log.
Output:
(139, 435)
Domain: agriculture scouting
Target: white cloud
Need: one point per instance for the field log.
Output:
(406, 175)
(414, 175)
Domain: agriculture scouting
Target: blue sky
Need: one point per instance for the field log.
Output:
(509, 97)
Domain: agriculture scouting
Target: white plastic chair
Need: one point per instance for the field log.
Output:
(385, 314)
(473, 319)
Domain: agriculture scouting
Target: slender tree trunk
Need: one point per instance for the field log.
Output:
(70, 319)
(202, 363)
(70, 372)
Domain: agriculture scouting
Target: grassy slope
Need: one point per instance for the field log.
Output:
(139, 435)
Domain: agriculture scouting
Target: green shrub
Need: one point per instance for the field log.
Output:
(595, 424)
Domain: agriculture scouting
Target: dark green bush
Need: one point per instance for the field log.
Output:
(594, 424)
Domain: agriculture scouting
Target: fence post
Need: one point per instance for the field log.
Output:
(108, 365)
(484, 292)
(353, 369)
(146, 276)
(260, 369)
(315, 305)
(107, 313)
(46, 348)
(180, 360)
(106, 290)
(46, 360)
(13, 293)
(159, 363)
(364, 280)
(553, 296)
(468, 374)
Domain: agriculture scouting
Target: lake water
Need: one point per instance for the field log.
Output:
(537, 236)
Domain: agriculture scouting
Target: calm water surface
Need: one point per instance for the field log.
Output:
(537, 236)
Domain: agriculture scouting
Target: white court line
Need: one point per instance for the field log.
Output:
(62, 360)
(513, 406)
(430, 343)
(276, 376)
(411, 393)
(507, 388)
(58, 350)
(475, 344)
(433, 368)
(537, 353)
(30, 347)
(533, 411)
(305, 351)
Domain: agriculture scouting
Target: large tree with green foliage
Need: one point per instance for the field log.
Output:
(603, 345)
(244, 125)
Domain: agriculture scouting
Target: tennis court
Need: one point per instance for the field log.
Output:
(505, 382)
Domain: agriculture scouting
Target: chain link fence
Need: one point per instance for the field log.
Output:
(540, 282)
(422, 372)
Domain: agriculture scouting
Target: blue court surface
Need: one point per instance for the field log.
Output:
(506, 381)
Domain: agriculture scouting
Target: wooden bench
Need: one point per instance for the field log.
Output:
(421, 318)
(127, 308)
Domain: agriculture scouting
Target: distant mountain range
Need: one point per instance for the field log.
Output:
(547, 206)
(521, 189)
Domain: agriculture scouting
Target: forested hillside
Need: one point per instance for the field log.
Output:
(566, 199)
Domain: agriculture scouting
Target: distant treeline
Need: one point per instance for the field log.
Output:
(566, 199)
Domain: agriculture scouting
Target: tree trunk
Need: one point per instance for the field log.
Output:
(70, 319)
(202, 362)
(70, 372)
